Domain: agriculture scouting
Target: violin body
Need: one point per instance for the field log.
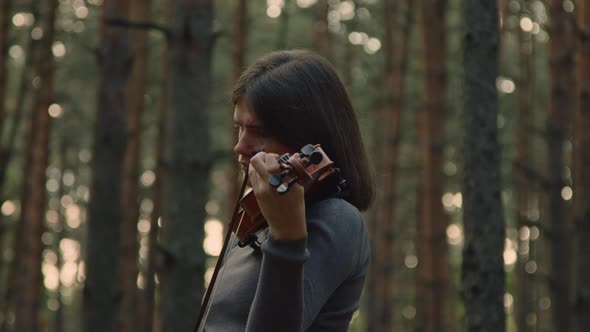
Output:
(249, 219)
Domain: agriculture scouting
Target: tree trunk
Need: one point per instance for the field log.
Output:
(322, 37)
(483, 265)
(283, 28)
(25, 87)
(561, 110)
(381, 292)
(4, 28)
(432, 288)
(504, 14)
(240, 42)
(128, 269)
(524, 305)
(188, 161)
(148, 305)
(59, 318)
(582, 176)
(102, 293)
(33, 216)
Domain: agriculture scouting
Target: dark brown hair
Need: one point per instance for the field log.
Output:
(300, 100)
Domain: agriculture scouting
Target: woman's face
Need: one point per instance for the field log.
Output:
(253, 137)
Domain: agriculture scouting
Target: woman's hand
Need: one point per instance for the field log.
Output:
(285, 213)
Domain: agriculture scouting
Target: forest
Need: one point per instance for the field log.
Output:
(118, 175)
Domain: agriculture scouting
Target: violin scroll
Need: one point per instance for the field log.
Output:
(310, 165)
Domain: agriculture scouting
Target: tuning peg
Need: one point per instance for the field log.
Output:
(284, 158)
(276, 179)
(315, 158)
(313, 155)
(307, 150)
(284, 187)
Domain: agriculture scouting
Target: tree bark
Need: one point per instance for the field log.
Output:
(240, 42)
(524, 304)
(149, 302)
(582, 175)
(4, 28)
(381, 292)
(33, 207)
(7, 149)
(25, 87)
(187, 164)
(102, 293)
(322, 37)
(561, 110)
(483, 265)
(283, 28)
(59, 317)
(128, 268)
(432, 284)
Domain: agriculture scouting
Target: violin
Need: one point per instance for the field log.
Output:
(311, 168)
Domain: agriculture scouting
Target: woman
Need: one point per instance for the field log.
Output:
(309, 271)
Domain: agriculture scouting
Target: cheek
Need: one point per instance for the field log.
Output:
(284, 149)
(275, 147)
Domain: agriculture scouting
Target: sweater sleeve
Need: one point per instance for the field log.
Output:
(298, 277)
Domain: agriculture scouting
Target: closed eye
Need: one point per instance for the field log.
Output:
(256, 130)
(238, 128)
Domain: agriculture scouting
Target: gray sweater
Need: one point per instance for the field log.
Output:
(313, 284)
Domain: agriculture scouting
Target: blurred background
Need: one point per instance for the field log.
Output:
(117, 175)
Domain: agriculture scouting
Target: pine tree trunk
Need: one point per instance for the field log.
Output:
(188, 161)
(4, 28)
(504, 14)
(483, 265)
(102, 293)
(59, 318)
(240, 42)
(561, 110)
(582, 176)
(24, 88)
(381, 292)
(33, 217)
(432, 288)
(148, 316)
(128, 267)
(283, 28)
(522, 188)
(322, 37)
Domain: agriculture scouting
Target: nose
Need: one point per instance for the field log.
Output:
(244, 146)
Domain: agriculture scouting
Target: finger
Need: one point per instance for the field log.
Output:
(258, 163)
(254, 178)
(272, 163)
